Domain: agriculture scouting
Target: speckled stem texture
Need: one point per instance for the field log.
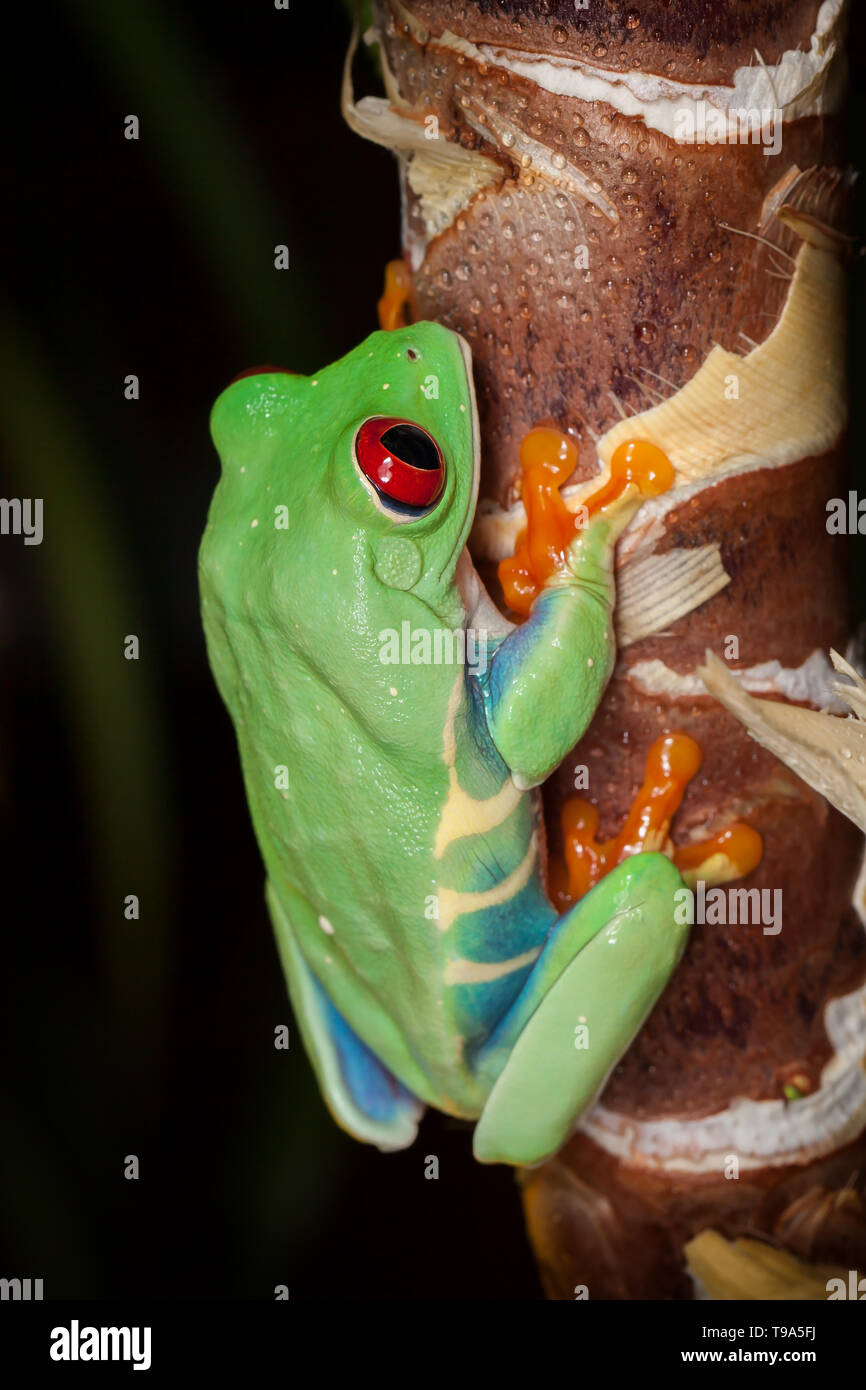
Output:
(592, 261)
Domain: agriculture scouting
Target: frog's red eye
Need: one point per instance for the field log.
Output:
(262, 371)
(402, 461)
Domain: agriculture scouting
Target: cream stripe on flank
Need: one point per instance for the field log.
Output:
(453, 902)
(463, 814)
(478, 972)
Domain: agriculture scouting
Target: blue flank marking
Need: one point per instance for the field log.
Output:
(373, 1088)
(497, 934)
(478, 1009)
(507, 929)
(517, 650)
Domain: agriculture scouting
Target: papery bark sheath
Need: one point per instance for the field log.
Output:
(636, 216)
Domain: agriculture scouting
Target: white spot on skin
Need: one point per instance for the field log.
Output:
(326, 926)
(463, 409)
(589, 661)
(253, 523)
(386, 385)
(392, 690)
(333, 571)
(314, 383)
(243, 468)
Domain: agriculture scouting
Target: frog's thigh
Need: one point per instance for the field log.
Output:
(364, 1097)
(604, 966)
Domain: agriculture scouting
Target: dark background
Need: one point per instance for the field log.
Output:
(155, 1037)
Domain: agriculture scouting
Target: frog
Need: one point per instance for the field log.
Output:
(394, 786)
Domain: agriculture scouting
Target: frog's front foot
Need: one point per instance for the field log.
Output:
(602, 970)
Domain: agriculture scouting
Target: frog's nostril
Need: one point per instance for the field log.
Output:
(262, 371)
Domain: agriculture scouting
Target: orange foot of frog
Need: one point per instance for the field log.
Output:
(671, 763)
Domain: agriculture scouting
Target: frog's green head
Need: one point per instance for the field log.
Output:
(346, 497)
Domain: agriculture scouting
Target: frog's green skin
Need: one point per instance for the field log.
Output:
(405, 859)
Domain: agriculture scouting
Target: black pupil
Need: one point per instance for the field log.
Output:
(413, 445)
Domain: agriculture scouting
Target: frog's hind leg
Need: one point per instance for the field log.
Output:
(604, 965)
(363, 1096)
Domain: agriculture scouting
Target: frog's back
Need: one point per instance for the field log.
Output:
(408, 866)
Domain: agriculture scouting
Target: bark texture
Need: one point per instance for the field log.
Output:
(594, 263)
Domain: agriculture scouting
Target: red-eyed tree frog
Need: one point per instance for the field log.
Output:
(393, 729)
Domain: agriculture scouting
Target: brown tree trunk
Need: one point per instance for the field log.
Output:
(619, 268)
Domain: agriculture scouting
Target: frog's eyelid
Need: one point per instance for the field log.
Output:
(262, 371)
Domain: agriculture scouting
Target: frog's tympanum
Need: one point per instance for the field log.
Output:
(392, 728)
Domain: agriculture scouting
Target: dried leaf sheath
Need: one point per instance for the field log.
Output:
(613, 280)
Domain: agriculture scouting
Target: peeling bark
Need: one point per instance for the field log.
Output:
(615, 281)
